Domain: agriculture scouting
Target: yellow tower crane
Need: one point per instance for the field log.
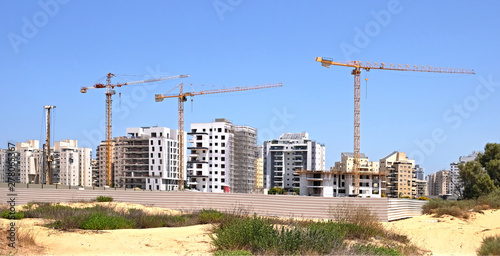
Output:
(110, 92)
(182, 97)
(356, 72)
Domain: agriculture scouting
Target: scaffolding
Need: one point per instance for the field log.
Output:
(243, 167)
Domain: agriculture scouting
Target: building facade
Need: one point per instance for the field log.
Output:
(438, 184)
(284, 157)
(401, 175)
(147, 158)
(259, 169)
(222, 157)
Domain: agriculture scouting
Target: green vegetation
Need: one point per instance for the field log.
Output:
(17, 215)
(104, 199)
(481, 176)
(490, 246)
(276, 191)
(232, 253)
(423, 198)
(462, 208)
(210, 216)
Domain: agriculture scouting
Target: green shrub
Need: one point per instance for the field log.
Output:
(260, 236)
(101, 221)
(374, 250)
(490, 246)
(17, 215)
(232, 253)
(423, 198)
(210, 216)
(104, 199)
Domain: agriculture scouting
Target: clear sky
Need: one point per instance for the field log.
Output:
(49, 49)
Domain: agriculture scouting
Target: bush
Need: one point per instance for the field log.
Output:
(423, 198)
(104, 199)
(101, 221)
(490, 246)
(260, 236)
(210, 216)
(374, 250)
(232, 253)
(17, 215)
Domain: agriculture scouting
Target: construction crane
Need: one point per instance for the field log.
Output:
(48, 158)
(109, 93)
(356, 72)
(182, 97)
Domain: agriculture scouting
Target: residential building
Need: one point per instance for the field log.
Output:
(95, 173)
(222, 157)
(147, 158)
(438, 183)
(421, 188)
(259, 169)
(371, 179)
(70, 164)
(419, 172)
(318, 183)
(401, 175)
(287, 155)
(455, 185)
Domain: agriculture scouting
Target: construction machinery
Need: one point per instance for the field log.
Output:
(109, 93)
(48, 158)
(356, 72)
(182, 97)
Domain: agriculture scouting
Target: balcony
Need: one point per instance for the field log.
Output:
(197, 133)
(198, 147)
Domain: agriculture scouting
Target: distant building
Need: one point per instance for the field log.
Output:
(438, 183)
(419, 172)
(421, 188)
(222, 157)
(455, 185)
(70, 164)
(259, 169)
(287, 155)
(401, 177)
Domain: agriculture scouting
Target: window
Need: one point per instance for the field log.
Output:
(216, 158)
(216, 179)
(223, 137)
(223, 166)
(216, 186)
(204, 186)
(161, 162)
(216, 165)
(153, 161)
(216, 172)
(210, 137)
(223, 180)
(223, 173)
(159, 168)
(161, 148)
(153, 134)
(210, 158)
(216, 136)
(151, 155)
(210, 179)
(203, 179)
(216, 151)
(223, 144)
(223, 151)
(223, 159)
(152, 148)
(159, 142)
(216, 144)
(219, 130)
(151, 142)
(161, 134)
(210, 144)
(151, 167)
(159, 155)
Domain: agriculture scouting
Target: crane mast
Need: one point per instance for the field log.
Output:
(48, 158)
(356, 72)
(182, 97)
(109, 112)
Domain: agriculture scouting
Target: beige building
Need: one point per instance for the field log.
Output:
(421, 188)
(401, 177)
(438, 183)
(259, 170)
(371, 182)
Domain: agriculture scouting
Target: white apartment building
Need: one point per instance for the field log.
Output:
(284, 157)
(222, 157)
(71, 165)
(454, 180)
(147, 158)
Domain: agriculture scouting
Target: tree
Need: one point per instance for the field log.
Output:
(476, 180)
(490, 160)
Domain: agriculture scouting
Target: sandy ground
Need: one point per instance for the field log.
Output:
(441, 236)
(449, 235)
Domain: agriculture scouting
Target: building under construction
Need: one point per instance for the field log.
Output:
(222, 157)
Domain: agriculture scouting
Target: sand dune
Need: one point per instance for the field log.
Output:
(441, 236)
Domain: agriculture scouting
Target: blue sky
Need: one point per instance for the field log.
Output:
(49, 49)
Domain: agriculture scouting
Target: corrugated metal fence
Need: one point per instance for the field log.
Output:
(266, 205)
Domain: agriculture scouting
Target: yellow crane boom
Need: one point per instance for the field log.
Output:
(109, 93)
(356, 72)
(182, 97)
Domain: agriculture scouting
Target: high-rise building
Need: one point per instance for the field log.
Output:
(455, 185)
(147, 158)
(419, 172)
(438, 184)
(401, 177)
(259, 169)
(284, 157)
(70, 164)
(222, 157)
